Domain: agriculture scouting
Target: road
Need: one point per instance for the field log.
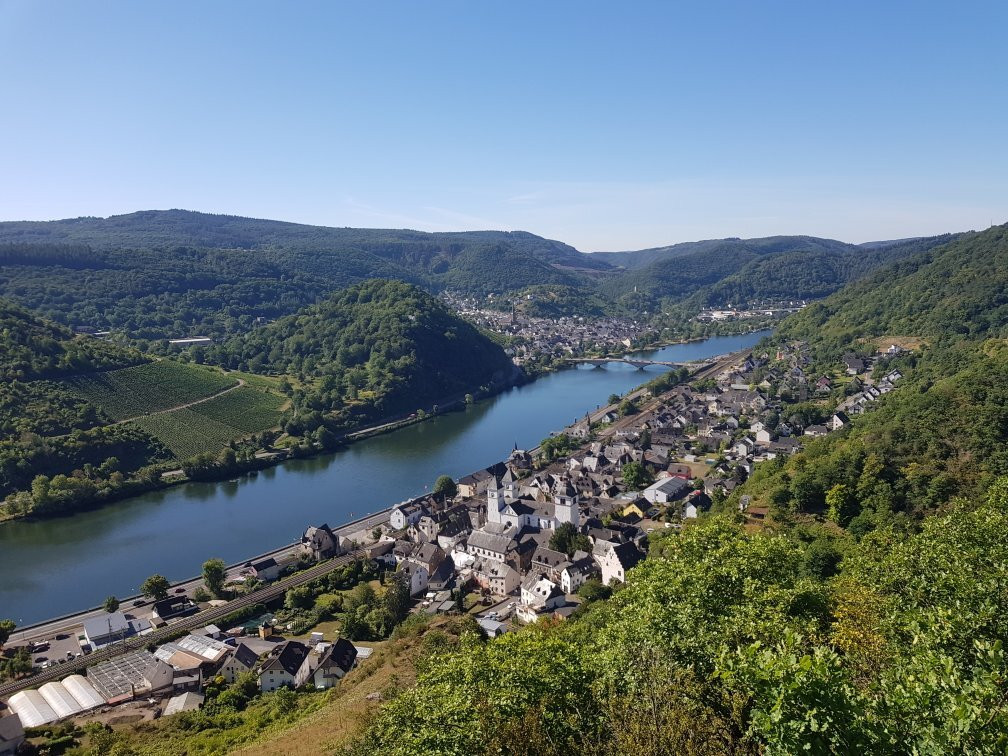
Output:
(201, 619)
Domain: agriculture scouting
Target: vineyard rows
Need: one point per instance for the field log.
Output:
(212, 425)
(141, 389)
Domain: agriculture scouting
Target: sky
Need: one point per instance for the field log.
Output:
(609, 126)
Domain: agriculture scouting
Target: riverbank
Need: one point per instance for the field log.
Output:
(356, 529)
(217, 473)
(51, 565)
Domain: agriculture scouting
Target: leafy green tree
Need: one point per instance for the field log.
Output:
(155, 587)
(299, 597)
(822, 558)
(628, 407)
(636, 476)
(214, 575)
(566, 538)
(594, 590)
(397, 598)
(445, 486)
(111, 604)
(6, 628)
(841, 505)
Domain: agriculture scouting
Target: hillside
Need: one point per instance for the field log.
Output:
(169, 274)
(155, 275)
(956, 291)
(84, 420)
(944, 432)
(376, 348)
(715, 273)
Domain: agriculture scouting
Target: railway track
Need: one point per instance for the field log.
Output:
(201, 619)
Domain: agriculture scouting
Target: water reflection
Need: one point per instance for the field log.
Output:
(54, 566)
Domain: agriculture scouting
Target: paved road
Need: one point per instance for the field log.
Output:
(201, 619)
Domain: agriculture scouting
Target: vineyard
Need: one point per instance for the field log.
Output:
(247, 409)
(135, 391)
(212, 425)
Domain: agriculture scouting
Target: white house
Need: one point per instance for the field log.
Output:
(241, 661)
(614, 559)
(281, 667)
(326, 664)
(418, 576)
(405, 515)
(539, 594)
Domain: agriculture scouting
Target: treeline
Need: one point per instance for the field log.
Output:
(159, 275)
(31, 348)
(378, 347)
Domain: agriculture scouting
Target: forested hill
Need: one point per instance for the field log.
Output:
(958, 290)
(718, 272)
(944, 432)
(34, 348)
(167, 229)
(169, 274)
(379, 346)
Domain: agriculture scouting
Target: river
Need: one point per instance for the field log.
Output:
(52, 567)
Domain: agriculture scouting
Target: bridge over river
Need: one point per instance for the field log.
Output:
(637, 362)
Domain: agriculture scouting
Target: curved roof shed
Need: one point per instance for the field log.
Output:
(84, 692)
(59, 698)
(32, 709)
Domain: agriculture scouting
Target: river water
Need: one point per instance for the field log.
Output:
(52, 567)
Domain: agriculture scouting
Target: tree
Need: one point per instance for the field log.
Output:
(445, 486)
(822, 559)
(636, 476)
(397, 598)
(111, 604)
(593, 590)
(6, 628)
(155, 587)
(614, 398)
(299, 598)
(627, 408)
(841, 506)
(566, 539)
(214, 574)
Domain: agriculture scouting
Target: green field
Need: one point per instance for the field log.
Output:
(212, 425)
(134, 391)
(247, 409)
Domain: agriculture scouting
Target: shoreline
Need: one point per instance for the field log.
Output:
(347, 528)
(275, 458)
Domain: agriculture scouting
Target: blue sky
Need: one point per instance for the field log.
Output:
(606, 125)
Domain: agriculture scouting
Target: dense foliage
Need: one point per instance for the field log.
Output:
(944, 431)
(167, 274)
(33, 348)
(722, 642)
(737, 271)
(381, 346)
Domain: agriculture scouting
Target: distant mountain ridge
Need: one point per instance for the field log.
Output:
(159, 274)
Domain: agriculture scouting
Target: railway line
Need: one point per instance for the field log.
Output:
(201, 619)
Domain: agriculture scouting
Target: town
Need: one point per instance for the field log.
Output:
(524, 539)
(565, 336)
